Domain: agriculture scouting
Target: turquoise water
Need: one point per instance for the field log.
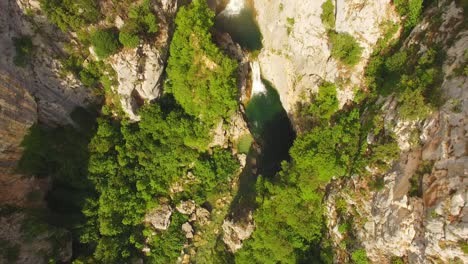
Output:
(243, 29)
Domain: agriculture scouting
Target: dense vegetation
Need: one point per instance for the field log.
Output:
(328, 14)
(129, 168)
(71, 14)
(201, 77)
(133, 165)
(141, 22)
(345, 48)
(105, 42)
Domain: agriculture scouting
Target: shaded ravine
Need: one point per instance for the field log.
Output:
(267, 120)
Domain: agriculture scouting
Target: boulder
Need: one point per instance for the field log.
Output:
(160, 217)
(186, 207)
(235, 233)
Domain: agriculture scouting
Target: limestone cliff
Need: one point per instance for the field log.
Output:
(140, 71)
(429, 224)
(296, 55)
(56, 95)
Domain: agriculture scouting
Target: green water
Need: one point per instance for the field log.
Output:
(243, 29)
(271, 128)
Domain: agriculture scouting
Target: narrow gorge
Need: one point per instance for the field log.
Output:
(233, 131)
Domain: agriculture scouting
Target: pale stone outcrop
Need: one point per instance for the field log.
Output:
(235, 233)
(296, 53)
(140, 70)
(160, 217)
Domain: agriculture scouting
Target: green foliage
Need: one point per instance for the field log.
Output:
(409, 9)
(325, 104)
(413, 105)
(397, 260)
(378, 183)
(243, 146)
(128, 35)
(141, 23)
(345, 48)
(328, 14)
(24, 51)
(464, 246)
(71, 14)
(359, 256)
(202, 78)
(132, 163)
(105, 42)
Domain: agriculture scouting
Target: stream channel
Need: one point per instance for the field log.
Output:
(266, 117)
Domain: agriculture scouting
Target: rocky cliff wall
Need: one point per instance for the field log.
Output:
(57, 95)
(18, 112)
(296, 55)
(429, 225)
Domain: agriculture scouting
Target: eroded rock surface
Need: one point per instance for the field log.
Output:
(296, 55)
(140, 70)
(160, 217)
(235, 233)
(431, 226)
(57, 94)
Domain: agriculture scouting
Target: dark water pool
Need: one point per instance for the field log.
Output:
(243, 28)
(271, 128)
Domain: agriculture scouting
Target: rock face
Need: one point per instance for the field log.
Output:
(186, 207)
(235, 233)
(33, 245)
(57, 95)
(431, 227)
(296, 54)
(139, 71)
(159, 218)
(18, 112)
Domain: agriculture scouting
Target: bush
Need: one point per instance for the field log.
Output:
(359, 256)
(24, 50)
(71, 14)
(105, 42)
(412, 105)
(410, 9)
(328, 14)
(325, 104)
(142, 22)
(345, 48)
(243, 146)
(128, 35)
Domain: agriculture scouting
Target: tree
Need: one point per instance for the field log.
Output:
(105, 42)
(202, 78)
(345, 48)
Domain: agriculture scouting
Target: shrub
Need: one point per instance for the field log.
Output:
(396, 62)
(328, 14)
(105, 42)
(412, 105)
(325, 104)
(410, 9)
(359, 256)
(128, 35)
(71, 14)
(345, 48)
(24, 50)
(243, 146)
(142, 22)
